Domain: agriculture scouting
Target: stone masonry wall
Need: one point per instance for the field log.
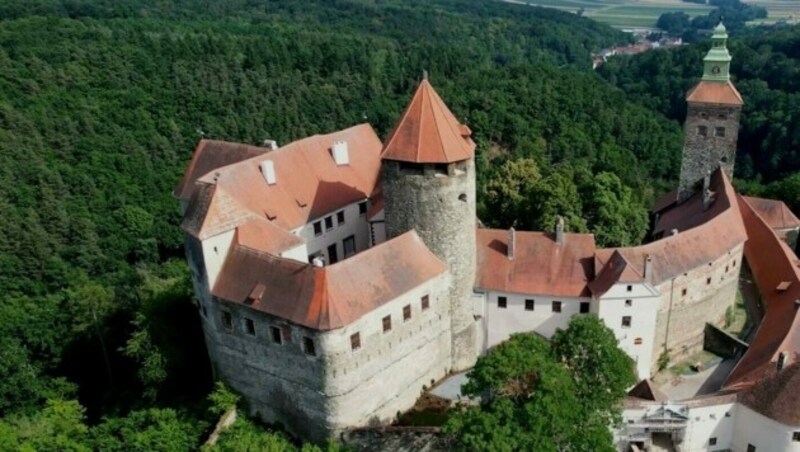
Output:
(703, 154)
(709, 290)
(441, 208)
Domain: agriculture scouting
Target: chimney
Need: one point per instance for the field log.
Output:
(673, 232)
(781, 361)
(560, 230)
(340, 153)
(706, 191)
(648, 268)
(268, 171)
(318, 262)
(512, 242)
(270, 144)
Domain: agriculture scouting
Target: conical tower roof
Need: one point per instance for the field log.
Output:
(428, 132)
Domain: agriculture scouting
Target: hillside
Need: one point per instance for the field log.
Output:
(102, 103)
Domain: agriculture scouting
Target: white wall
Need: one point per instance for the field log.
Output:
(710, 422)
(298, 253)
(215, 250)
(762, 432)
(355, 224)
(643, 310)
(501, 323)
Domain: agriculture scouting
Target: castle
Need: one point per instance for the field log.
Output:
(338, 276)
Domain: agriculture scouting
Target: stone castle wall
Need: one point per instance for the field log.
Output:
(438, 201)
(710, 289)
(703, 154)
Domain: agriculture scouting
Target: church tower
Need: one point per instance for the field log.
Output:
(428, 183)
(712, 119)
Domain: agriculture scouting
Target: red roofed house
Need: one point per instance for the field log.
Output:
(337, 276)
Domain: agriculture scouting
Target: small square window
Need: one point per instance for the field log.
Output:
(751, 448)
(406, 312)
(637, 341)
(502, 302)
(584, 307)
(340, 218)
(626, 321)
(556, 306)
(362, 208)
(796, 436)
(309, 347)
(329, 223)
(628, 303)
(529, 305)
(227, 320)
(727, 268)
(702, 131)
(712, 441)
(286, 333)
(275, 333)
(250, 327)
(719, 132)
(355, 341)
(317, 228)
(425, 302)
(387, 324)
(629, 288)
(708, 280)
(683, 292)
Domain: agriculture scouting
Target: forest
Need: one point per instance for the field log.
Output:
(103, 101)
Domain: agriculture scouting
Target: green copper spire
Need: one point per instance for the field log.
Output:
(717, 62)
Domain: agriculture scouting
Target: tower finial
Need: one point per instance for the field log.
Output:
(424, 75)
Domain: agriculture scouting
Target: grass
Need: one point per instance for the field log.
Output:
(645, 13)
(736, 318)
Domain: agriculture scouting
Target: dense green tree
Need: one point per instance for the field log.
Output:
(615, 217)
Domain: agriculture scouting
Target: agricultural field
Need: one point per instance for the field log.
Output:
(627, 14)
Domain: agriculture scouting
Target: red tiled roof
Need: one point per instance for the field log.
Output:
(428, 132)
(705, 235)
(540, 266)
(326, 298)
(775, 213)
(777, 395)
(210, 155)
(665, 201)
(308, 183)
(715, 93)
(616, 270)
(260, 234)
(771, 262)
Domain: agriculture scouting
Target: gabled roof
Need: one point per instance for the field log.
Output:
(775, 213)
(616, 270)
(646, 391)
(210, 155)
(772, 262)
(309, 184)
(704, 235)
(428, 132)
(723, 93)
(540, 266)
(326, 298)
(262, 235)
(777, 395)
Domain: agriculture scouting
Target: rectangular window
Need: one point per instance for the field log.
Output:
(629, 289)
(502, 302)
(317, 228)
(751, 448)
(286, 334)
(626, 321)
(329, 223)
(425, 302)
(683, 292)
(702, 131)
(387, 324)
(556, 306)
(628, 303)
(529, 305)
(362, 208)
(796, 436)
(584, 307)
(719, 132)
(637, 341)
(708, 281)
(227, 320)
(250, 327)
(712, 441)
(406, 312)
(333, 255)
(355, 341)
(340, 217)
(308, 346)
(275, 333)
(349, 245)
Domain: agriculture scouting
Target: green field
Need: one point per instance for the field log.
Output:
(645, 13)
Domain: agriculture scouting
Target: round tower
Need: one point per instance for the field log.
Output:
(428, 182)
